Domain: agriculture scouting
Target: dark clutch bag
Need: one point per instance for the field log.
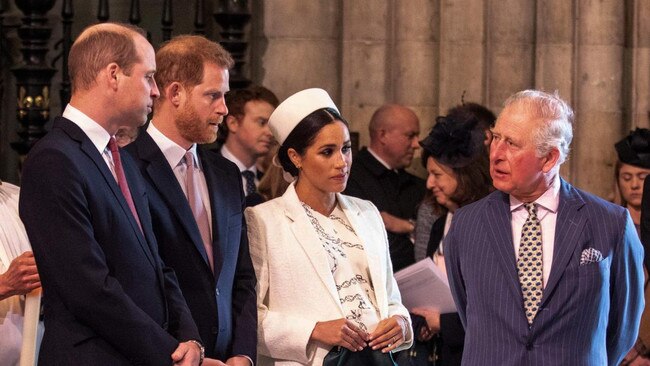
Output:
(340, 356)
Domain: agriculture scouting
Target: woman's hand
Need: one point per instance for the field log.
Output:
(340, 332)
(389, 334)
(431, 316)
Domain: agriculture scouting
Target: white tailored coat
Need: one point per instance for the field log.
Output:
(295, 287)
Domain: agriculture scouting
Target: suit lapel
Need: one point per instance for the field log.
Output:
(499, 224)
(309, 241)
(220, 212)
(568, 227)
(90, 150)
(163, 178)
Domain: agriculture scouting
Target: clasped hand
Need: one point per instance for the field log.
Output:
(389, 334)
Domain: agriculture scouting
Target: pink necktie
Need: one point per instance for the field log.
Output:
(121, 179)
(196, 204)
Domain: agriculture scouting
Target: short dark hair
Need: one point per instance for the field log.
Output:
(302, 136)
(236, 101)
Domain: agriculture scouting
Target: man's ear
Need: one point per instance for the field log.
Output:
(174, 92)
(111, 75)
(232, 122)
(550, 160)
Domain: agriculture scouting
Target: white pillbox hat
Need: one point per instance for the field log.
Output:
(293, 109)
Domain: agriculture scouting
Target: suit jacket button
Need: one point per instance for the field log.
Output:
(214, 330)
(217, 292)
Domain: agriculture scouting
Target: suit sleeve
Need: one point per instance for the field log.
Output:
(454, 268)
(55, 209)
(244, 301)
(626, 293)
(281, 335)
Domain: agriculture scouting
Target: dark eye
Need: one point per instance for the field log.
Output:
(346, 149)
(326, 152)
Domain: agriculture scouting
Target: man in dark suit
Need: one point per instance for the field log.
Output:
(108, 299)
(196, 197)
(245, 136)
(378, 175)
(543, 273)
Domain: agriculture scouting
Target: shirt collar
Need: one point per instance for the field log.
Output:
(96, 133)
(173, 152)
(229, 155)
(380, 159)
(549, 200)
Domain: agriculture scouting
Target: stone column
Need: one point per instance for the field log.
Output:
(368, 54)
(462, 67)
(302, 49)
(601, 26)
(510, 49)
(555, 51)
(636, 77)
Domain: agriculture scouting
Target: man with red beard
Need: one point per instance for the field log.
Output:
(196, 198)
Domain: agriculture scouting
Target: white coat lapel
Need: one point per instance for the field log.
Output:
(372, 240)
(309, 242)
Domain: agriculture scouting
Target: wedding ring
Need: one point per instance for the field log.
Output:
(390, 344)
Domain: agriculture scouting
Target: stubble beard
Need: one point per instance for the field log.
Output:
(191, 128)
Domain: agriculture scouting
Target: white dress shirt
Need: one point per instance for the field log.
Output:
(229, 155)
(174, 155)
(547, 205)
(96, 133)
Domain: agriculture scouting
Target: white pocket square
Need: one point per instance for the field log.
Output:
(590, 255)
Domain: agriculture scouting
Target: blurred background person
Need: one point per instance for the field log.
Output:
(244, 135)
(275, 181)
(126, 135)
(426, 215)
(325, 281)
(379, 176)
(632, 168)
(458, 168)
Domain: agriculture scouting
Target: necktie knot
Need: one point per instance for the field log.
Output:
(249, 176)
(531, 208)
(112, 146)
(189, 160)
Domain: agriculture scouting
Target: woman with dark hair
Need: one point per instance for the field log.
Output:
(326, 292)
(459, 174)
(632, 167)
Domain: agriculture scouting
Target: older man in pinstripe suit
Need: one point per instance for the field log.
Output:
(543, 273)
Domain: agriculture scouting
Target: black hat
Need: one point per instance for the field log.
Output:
(455, 140)
(634, 149)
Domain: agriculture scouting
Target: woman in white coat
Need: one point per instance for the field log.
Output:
(325, 280)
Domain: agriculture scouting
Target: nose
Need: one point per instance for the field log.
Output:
(430, 182)
(155, 93)
(222, 109)
(341, 160)
(636, 183)
(496, 149)
(415, 142)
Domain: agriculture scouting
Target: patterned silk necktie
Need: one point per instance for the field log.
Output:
(196, 204)
(529, 265)
(249, 176)
(121, 178)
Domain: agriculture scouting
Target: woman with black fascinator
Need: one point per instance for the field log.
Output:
(458, 168)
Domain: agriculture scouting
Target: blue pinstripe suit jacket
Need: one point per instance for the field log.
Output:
(589, 314)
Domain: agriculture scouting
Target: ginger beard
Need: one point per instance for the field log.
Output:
(192, 128)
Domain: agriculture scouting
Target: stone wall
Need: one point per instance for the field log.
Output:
(427, 53)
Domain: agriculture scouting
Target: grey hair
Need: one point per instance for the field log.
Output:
(556, 129)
